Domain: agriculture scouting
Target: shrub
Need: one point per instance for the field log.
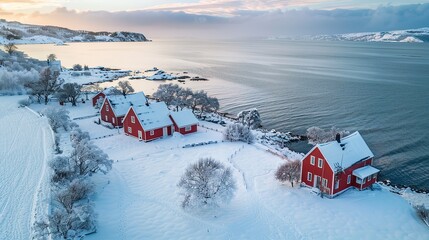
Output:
(238, 132)
(207, 183)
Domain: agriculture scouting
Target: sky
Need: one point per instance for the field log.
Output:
(222, 18)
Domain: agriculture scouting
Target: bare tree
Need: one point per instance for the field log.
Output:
(52, 57)
(125, 87)
(71, 92)
(48, 84)
(207, 183)
(10, 48)
(289, 171)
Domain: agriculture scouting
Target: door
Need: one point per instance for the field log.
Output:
(140, 135)
(113, 120)
(316, 181)
(164, 132)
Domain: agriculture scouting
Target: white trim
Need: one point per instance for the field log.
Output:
(133, 119)
(138, 119)
(349, 179)
(152, 132)
(337, 184)
(188, 128)
(309, 176)
(320, 163)
(130, 130)
(312, 160)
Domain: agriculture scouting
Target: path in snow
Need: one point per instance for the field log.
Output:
(25, 141)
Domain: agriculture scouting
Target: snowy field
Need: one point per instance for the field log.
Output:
(25, 147)
(139, 198)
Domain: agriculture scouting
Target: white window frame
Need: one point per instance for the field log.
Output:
(320, 163)
(106, 118)
(309, 176)
(349, 179)
(337, 184)
(113, 120)
(152, 132)
(188, 128)
(364, 180)
(130, 130)
(312, 160)
(107, 108)
(133, 119)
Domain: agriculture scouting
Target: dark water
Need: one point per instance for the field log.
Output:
(380, 89)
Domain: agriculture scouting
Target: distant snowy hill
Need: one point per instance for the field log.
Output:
(19, 33)
(413, 35)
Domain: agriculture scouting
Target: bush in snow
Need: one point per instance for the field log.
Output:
(77, 135)
(317, 135)
(62, 170)
(24, 102)
(238, 132)
(423, 213)
(290, 171)
(58, 117)
(250, 118)
(77, 67)
(76, 190)
(206, 183)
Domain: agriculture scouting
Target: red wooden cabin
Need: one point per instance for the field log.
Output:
(184, 121)
(148, 122)
(115, 107)
(336, 166)
(102, 95)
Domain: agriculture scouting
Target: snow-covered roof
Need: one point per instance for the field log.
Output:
(184, 118)
(351, 150)
(154, 116)
(121, 104)
(364, 172)
(109, 90)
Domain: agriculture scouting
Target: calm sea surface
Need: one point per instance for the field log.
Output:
(380, 89)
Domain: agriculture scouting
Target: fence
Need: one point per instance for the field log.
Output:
(86, 117)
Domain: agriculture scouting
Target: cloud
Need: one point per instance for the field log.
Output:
(242, 23)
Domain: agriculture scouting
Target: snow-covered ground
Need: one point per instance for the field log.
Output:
(25, 147)
(91, 76)
(139, 198)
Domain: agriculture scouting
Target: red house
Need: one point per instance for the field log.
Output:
(115, 107)
(102, 95)
(184, 121)
(336, 166)
(148, 122)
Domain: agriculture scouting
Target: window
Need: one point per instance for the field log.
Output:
(337, 184)
(349, 179)
(324, 182)
(107, 107)
(113, 120)
(364, 180)
(320, 163)
(309, 176)
(312, 160)
(130, 130)
(133, 119)
(107, 118)
(152, 133)
(188, 128)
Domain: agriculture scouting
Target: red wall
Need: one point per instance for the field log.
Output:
(342, 177)
(193, 129)
(135, 127)
(96, 97)
(182, 130)
(324, 172)
(110, 115)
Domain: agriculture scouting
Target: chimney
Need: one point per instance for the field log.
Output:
(338, 138)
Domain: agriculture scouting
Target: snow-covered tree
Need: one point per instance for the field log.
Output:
(63, 171)
(167, 93)
(58, 117)
(207, 183)
(290, 171)
(250, 118)
(317, 135)
(88, 158)
(238, 132)
(48, 84)
(10, 48)
(52, 57)
(77, 135)
(184, 98)
(125, 87)
(76, 190)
